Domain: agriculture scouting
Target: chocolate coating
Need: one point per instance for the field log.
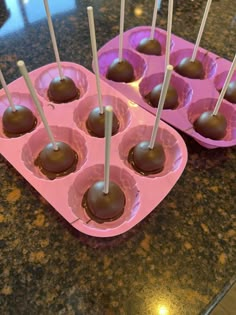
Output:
(230, 94)
(211, 126)
(96, 123)
(190, 69)
(56, 163)
(149, 46)
(17, 123)
(171, 101)
(104, 207)
(147, 161)
(120, 71)
(62, 90)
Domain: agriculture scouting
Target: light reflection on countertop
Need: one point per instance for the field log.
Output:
(23, 12)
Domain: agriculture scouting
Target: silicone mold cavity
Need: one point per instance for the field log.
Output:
(220, 79)
(42, 82)
(209, 65)
(39, 140)
(137, 36)
(182, 87)
(83, 110)
(96, 173)
(208, 104)
(166, 139)
(133, 58)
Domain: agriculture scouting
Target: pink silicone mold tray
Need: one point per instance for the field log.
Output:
(143, 193)
(194, 96)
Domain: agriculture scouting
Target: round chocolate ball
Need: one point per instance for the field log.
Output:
(230, 94)
(96, 123)
(18, 122)
(62, 90)
(149, 46)
(103, 207)
(145, 160)
(171, 101)
(211, 126)
(190, 69)
(55, 163)
(120, 71)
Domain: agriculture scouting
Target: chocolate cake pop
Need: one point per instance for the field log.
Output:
(190, 69)
(147, 161)
(96, 123)
(211, 126)
(171, 100)
(148, 157)
(96, 120)
(102, 207)
(62, 90)
(55, 163)
(120, 71)
(149, 47)
(230, 94)
(18, 122)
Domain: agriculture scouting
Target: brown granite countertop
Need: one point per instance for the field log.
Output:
(182, 257)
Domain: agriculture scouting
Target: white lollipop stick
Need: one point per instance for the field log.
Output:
(154, 19)
(53, 38)
(29, 84)
(8, 94)
(226, 84)
(122, 13)
(164, 89)
(108, 130)
(95, 55)
(168, 37)
(201, 30)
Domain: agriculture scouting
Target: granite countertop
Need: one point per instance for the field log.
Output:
(179, 260)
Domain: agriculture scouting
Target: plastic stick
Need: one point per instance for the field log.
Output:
(154, 19)
(53, 38)
(8, 94)
(95, 55)
(168, 37)
(108, 130)
(29, 84)
(225, 86)
(122, 13)
(201, 30)
(164, 89)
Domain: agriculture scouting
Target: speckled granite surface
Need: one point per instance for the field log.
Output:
(176, 261)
